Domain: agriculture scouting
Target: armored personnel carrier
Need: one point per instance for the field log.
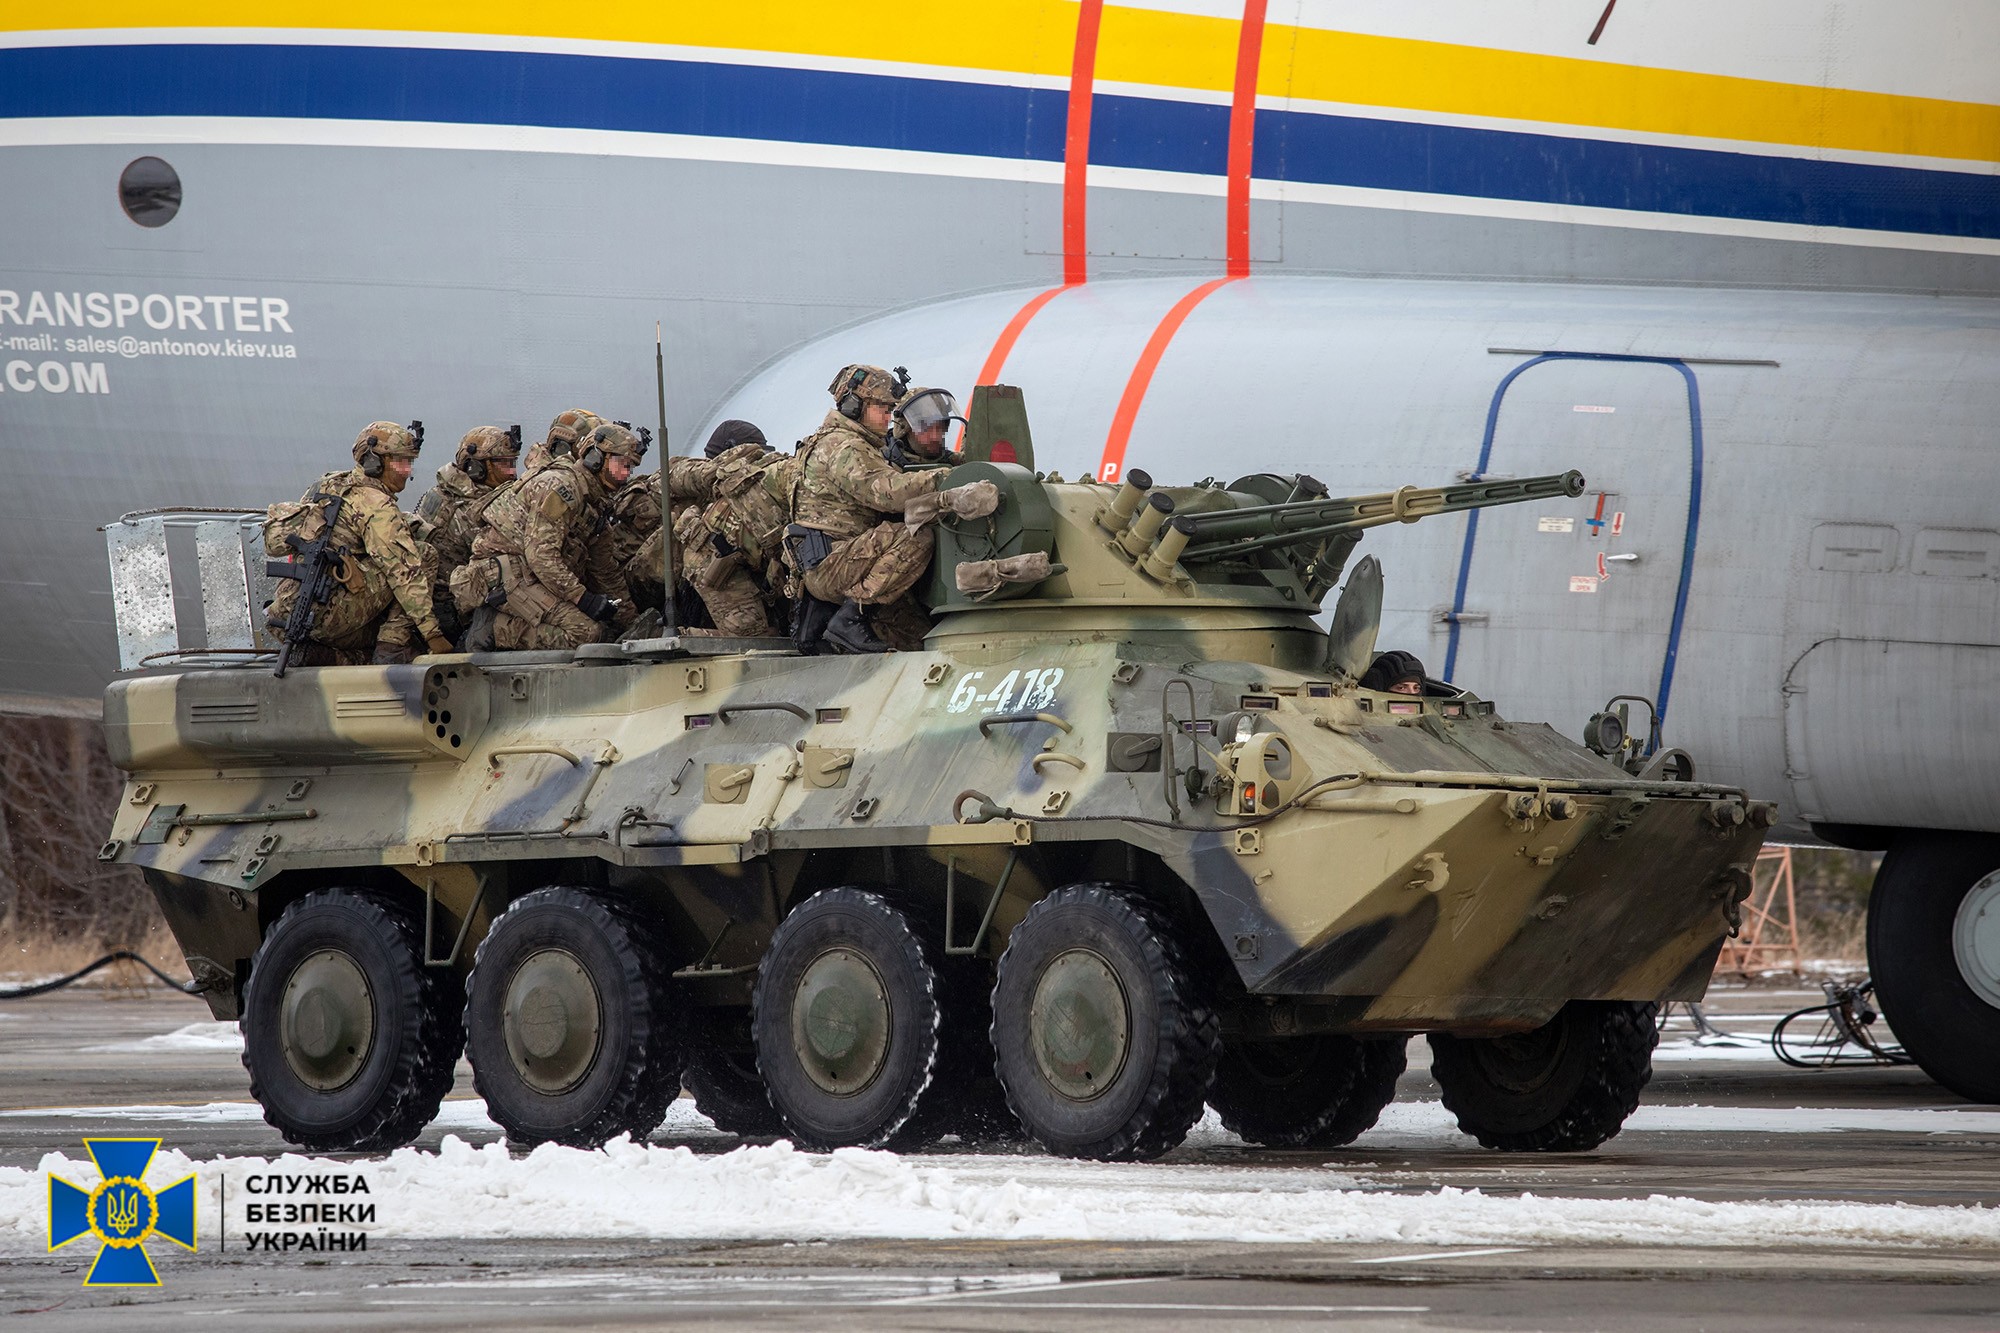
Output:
(1126, 837)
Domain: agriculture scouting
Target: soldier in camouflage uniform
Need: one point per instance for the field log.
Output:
(916, 436)
(634, 535)
(564, 432)
(731, 551)
(539, 576)
(636, 511)
(381, 606)
(861, 536)
(450, 510)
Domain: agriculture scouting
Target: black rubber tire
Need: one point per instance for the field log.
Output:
(721, 1075)
(636, 1070)
(865, 924)
(417, 1032)
(1566, 1087)
(1318, 1091)
(1148, 1104)
(1940, 1020)
(965, 1100)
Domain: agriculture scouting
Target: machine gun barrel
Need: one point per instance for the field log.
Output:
(1230, 532)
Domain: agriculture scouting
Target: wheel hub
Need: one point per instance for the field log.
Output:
(1975, 939)
(552, 1021)
(1080, 1024)
(1523, 1062)
(327, 1022)
(840, 1022)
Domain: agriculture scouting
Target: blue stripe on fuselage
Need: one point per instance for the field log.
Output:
(980, 120)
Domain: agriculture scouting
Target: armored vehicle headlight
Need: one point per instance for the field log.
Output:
(1604, 733)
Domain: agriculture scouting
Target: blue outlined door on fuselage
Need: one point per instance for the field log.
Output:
(1534, 605)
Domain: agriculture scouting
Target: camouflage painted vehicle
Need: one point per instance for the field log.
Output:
(1124, 838)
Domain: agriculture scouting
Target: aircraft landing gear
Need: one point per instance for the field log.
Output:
(1934, 950)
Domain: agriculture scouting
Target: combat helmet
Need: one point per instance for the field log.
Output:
(564, 432)
(385, 439)
(484, 444)
(921, 408)
(613, 439)
(855, 385)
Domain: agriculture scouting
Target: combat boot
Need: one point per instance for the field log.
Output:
(479, 632)
(849, 631)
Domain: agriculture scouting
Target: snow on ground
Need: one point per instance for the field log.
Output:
(659, 1192)
(631, 1190)
(193, 1037)
(1422, 1124)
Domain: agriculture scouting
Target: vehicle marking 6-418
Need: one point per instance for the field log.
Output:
(1037, 687)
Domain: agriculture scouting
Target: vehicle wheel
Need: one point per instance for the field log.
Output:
(572, 1026)
(1934, 950)
(845, 1015)
(722, 1075)
(1102, 1039)
(1565, 1087)
(349, 1039)
(1306, 1092)
(965, 1098)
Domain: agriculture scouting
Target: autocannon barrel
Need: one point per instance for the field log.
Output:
(1231, 531)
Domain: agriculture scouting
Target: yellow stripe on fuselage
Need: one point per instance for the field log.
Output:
(1167, 50)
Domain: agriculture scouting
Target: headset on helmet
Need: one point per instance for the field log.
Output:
(484, 444)
(385, 439)
(614, 437)
(855, 385)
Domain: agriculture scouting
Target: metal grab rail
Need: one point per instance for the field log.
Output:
(493, 757)
(992, 720)
(722, 713)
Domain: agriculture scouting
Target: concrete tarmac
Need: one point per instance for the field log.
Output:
(95, 1048)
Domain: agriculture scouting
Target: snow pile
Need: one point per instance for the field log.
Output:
(1403, 1125)
(631, 1190)
(193, 1037)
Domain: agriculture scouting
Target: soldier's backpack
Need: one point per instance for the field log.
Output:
(304, 519)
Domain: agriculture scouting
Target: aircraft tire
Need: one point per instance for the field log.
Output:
(845, 1015)
(350, 1041)
(1565, 1087)
(572, 1026)
(1103, 1039)
(1319, 1091)
(1926, 883)
(722, 1077)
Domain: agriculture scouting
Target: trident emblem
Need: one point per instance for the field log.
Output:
(122, 1212)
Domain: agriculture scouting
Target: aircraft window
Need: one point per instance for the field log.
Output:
(150, 192)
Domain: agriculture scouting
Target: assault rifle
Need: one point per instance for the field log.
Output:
(316, 565)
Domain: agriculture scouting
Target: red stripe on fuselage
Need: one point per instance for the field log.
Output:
(1113, 463)
(1242, 136)
(1076, 147)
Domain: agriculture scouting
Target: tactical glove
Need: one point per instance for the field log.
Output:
(975, 499)
(439, 643)
(982, 578)
(598, 607)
